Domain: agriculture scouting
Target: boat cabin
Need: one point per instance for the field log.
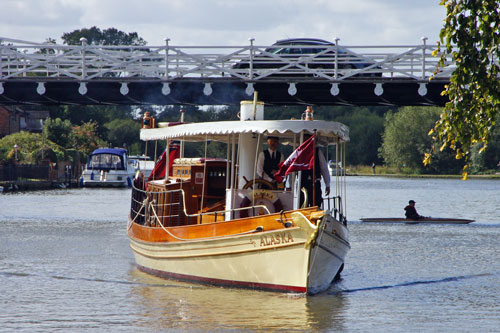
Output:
(107, 159)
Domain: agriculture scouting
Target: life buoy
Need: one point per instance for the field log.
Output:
(261, 197)
(261, 182)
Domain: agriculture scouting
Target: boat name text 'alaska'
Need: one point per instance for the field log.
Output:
(281, 238)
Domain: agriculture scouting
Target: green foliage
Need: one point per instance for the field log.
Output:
(78, 114)
(4, 154)
(96, 36)
(122, 132)
(45, 154)
(365, 132)
(84, 138)
(29, 144)
(76, 156)
(487, 161)
(405, 141)
(471, 35)
(58, 131)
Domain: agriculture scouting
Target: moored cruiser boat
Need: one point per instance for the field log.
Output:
(212, 221)
(142, 163)
(108, 167)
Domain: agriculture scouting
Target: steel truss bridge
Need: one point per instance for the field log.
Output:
(46, 74)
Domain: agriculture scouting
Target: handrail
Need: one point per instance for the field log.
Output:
(337, 208)
(184, 209)
(200, 238)
(248, 63)
(159, 220)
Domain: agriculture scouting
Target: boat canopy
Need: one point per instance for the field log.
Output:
(328, 131)
(112, 151)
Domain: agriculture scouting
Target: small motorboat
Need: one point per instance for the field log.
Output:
(142, 163)
(108, 167)
(427, 220)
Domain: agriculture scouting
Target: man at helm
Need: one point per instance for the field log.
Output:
(269, 159)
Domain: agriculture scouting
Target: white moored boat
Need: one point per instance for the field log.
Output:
(210, 222)
(108, 167)
(142, 163)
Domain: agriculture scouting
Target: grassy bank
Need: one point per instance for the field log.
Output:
(382, 170)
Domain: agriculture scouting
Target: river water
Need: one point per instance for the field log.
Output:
(65, 265)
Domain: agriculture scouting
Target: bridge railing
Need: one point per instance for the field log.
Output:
(250, 63)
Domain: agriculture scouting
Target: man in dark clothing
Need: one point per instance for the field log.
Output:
(269, 159)
(411, 212)
(307, 179)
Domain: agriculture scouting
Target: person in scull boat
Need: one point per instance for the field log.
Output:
(411, 211)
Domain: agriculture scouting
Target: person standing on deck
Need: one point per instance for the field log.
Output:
(269, 159)
(306, 179)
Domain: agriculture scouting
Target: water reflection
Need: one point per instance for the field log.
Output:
(167, 304)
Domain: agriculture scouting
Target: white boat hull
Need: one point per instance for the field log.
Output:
(276, 260)
(120, 178)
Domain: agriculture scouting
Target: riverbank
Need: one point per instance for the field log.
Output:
(34, 185)
(384, 171)
(401, 175)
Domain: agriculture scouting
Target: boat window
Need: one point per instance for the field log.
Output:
(105, 161)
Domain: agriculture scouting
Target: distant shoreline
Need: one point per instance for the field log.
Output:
(401, 175)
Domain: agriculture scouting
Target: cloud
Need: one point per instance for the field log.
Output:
(229, 22)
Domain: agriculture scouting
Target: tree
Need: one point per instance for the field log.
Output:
(405, 141)
(84, 138)
(487, 161)
(78, 114)
(58, 131)
(48, 41)
(471, 35)
(123, 132)
(365, 132)
(95, 36)
(29, 146)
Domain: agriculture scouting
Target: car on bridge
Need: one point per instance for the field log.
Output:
(307, 57)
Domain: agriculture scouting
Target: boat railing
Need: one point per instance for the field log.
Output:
(334, 205)
(154, 208)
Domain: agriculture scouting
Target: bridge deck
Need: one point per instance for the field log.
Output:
(335, 74)
(395, 92)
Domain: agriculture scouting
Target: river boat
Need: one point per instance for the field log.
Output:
(108, 167)
(210, 220)
(425, 220)
(334, 168)
(142, 163)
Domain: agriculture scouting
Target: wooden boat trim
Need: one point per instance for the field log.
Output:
(135, 229)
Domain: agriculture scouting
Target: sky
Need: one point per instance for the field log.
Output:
(229, 22)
